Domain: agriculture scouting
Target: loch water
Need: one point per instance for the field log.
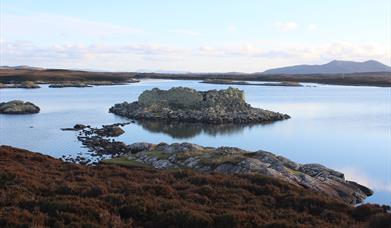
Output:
(347, 128)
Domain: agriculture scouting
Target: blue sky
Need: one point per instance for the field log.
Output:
(199, 36)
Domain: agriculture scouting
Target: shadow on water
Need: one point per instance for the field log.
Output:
(183, 130)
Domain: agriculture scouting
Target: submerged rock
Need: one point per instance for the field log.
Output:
(18, 107)
(189, 105)
(235, 160)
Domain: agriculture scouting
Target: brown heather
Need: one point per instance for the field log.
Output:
(39, 191)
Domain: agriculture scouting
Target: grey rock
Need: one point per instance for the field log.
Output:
(110, 131)
(137, 147)
(18, 107)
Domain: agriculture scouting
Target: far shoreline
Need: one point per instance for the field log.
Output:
(57, 76)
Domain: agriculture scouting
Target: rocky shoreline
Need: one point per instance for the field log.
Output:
(188, 105)
(231, 160)
(228, 160)
(18, 107)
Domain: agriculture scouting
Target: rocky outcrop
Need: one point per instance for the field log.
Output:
(228, 160)
(99, 141)
(234, 160)
(110, 131)
(76, 127)
(189, 105)
(23, 85)
(18, 107)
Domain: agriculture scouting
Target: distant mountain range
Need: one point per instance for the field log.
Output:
(333, 67)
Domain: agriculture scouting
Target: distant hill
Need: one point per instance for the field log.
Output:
(21, 67)
(333, 67)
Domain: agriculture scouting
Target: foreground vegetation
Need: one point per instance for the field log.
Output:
(37, 190)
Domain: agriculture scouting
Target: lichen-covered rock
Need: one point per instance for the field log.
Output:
(189, 105)
(18, 107)
(235, 160)
(175, 98)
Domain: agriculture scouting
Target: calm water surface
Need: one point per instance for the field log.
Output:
(343, 127)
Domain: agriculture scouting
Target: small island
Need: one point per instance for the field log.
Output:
(21, 85)
(188, 105)
(83, 84)
(233, 82)
(18, 107)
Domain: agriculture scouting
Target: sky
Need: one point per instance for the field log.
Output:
(192, 35)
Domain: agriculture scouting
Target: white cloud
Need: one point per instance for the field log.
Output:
(286, 26)
(246, 57)
(312, 27)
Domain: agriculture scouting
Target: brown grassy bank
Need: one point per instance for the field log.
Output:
(58, 75)
(382, 79)
(42, 191)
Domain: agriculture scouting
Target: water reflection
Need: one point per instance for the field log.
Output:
(181, 130)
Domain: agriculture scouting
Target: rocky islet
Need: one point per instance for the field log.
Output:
(183, 104)
(18, 107)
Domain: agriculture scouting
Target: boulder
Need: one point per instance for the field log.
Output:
(18, 107)
(110, 131)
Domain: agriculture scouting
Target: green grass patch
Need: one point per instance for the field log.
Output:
(158, 154)
(124, 161)
(294, 172)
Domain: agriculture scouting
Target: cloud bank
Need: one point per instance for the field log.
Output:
(248, 57)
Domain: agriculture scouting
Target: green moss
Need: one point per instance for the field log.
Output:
(124, 161)
(185, 155)
(158, 154)
(294, 172)
(218, 160)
